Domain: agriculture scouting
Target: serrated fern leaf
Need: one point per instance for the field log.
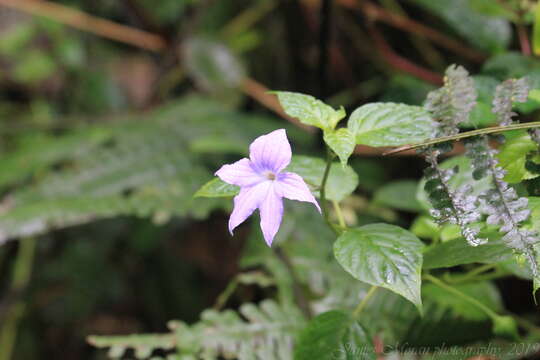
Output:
(535, 135)
(267, 332)
(501, 203)
(147, 165)
(507, 93)
(142, 345)
(256, 332)
(451, 104)
(453, 206)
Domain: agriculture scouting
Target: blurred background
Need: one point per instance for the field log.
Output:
(114, 112)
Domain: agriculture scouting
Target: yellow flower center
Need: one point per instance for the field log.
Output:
(270, 175)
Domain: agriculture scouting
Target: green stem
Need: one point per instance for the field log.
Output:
(463, 135)
(471, 275)
(364, 301)
(20, 279)
(463, 296)
(226, 294)
(339, 214)
(324, 205)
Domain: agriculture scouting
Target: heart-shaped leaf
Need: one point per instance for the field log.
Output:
(383, 255)
(391, 124)
(309, 110)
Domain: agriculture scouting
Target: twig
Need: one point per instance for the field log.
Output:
(152, 42)
(92, 24)
(421, 43)
(377, 13)
(402, 63)
(524, 41)
(463, 135)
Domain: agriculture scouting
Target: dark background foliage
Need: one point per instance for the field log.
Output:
(128, 248)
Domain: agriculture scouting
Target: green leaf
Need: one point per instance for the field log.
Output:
(399, 195)
(309, 110)
(486, 32)
(383, 255)
(390, 124)
(217, 188)
(513, 156)
(506, 327)
(137, 165)
(342, 181)
(458, 252)
(425, 227)
(334, 335)
(536, 31)
(341, 142)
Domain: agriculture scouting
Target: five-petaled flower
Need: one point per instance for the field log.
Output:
(263, 185)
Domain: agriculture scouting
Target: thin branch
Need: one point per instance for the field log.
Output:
(463, 135)
(89, 23)
(524, 41)
(402, 63)
(377, 13)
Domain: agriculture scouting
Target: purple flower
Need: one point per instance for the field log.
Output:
(263, 185)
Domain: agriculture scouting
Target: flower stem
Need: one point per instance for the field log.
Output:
(473, 274)
(324, 207)
(463, 135)
(364, 301)
(463, 296)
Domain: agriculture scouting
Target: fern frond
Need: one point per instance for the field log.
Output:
(456, 207)
(257, 332)
(507, 93)
(266, 334)
(535, 135)
(142, 345)
(146, 165)
(501, 203)
(451, 104)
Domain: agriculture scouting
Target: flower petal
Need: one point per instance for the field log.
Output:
(293, 187)
(239, 173)
(246, 202)
(271, 151)
(271, 211)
